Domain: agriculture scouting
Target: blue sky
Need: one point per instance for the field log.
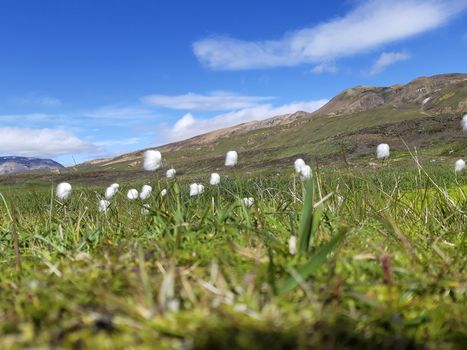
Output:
(95, 78)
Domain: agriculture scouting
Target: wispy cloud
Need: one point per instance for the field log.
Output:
(371, 24)
(41, 142)
(386, 59)
(42, 101)
(214, 101)
(119, 112)
(189, 126)
(324, 67)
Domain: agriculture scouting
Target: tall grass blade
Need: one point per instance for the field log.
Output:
(315, 262)
(306, 220)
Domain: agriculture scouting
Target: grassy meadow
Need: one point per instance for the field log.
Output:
(379, 263)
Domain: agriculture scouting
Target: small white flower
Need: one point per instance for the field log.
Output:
(231, 158)
(163, 192)
(63, 191)
(248, 201)
(298, 165)
(382, 151)
(215, 179)
(292, 245)
(145, 193)
(305, 173)
(152, 160)
(145, 209)
(459, 166)
(132, 194)
(171, 173)
(196, 189)
(110, 192)
(464, 122)
(103, 205)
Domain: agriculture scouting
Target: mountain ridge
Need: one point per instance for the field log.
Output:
(17, 164)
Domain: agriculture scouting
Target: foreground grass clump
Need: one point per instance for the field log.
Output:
(382, 265)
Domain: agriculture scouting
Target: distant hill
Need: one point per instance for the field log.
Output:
(425, 113)
(12, 164)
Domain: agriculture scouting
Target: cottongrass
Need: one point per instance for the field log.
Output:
(110, 192)
(459, 165)
(231, 158)
(293, 245)
(145, 209)
(132, 194)
(196, 189)
(171, 173)
(63, 191)
(152, 160)
(248, 201)
(103, 205)
(215, 179)
(145, 193)
(382, 151)
(164, 192)
(298, 165)
(464, 122)
(305, 173)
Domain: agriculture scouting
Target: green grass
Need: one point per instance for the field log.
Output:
(384, 269)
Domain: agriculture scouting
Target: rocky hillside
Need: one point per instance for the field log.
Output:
(10, 165)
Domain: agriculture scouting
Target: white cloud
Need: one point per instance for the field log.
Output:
(324, 67)
(117, 112)
(43, 101)
(215, 101)
(386, 59)
(371, 24)
(40, 142)
(189, 126)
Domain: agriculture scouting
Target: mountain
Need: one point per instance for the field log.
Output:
(424, 113)
(9, 165)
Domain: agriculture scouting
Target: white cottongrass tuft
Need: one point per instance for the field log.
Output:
(305, 173)
(63, 191)
(145, 193)
(196, 189)
(215, 179)
(110, 192)
(459, 166)
(292, 245)
(464, 122)
(145, 209)
(163, 192)
(248, 201)
(115, 185)
(231, 158)
(382, 151)
(152, 160)
(132, 194)
(103, 205)
(171, 173)
(298, 165)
